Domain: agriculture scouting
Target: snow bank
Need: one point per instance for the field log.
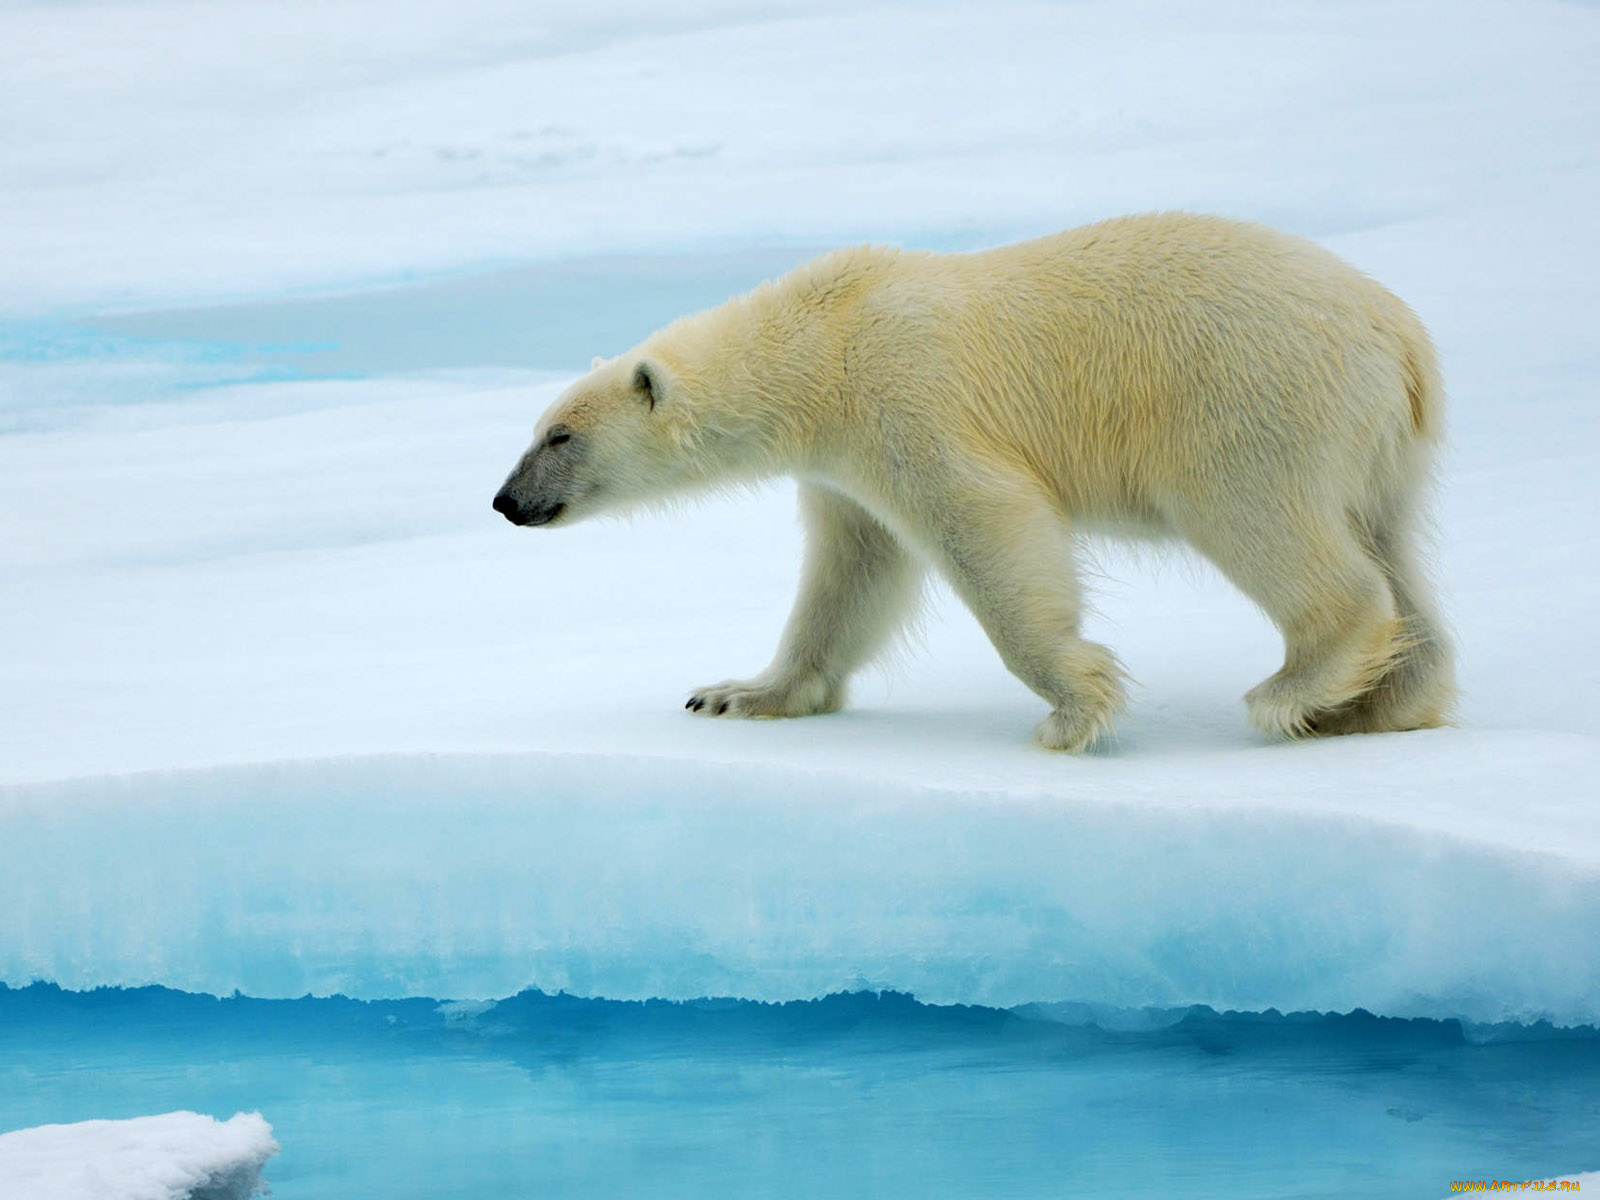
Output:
(309, 571)
(629, 878)
(204, 565)
(175, 1156)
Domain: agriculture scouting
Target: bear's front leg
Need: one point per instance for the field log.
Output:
(857, 587)
(1010, 556)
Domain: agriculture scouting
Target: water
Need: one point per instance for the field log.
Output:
(856, 1094)
(556, 315)
(552, 316)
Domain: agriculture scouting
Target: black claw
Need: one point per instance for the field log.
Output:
(722, 708)
(697, 703)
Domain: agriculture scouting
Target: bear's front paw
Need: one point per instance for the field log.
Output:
(761, 697)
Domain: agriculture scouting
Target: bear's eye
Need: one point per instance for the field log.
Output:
(557, 439)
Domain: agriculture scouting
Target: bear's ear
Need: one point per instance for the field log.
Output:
(649, 382)
(594, 363)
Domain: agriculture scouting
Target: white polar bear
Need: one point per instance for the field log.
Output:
(1172, 375)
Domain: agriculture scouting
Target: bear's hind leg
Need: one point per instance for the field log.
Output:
(1418, 688)
(1010, 557)
(1336, 613)
(857, 588)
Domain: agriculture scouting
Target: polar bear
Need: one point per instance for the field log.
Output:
(1167, 375)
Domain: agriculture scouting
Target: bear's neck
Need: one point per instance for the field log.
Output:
(786, 347)
(767, 377)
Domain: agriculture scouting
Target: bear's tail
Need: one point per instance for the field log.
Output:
(1424, 385)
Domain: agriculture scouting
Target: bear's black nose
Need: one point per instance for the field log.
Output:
(504, 504)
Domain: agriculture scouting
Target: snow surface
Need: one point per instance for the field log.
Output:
(174, 1156)
(276, 595)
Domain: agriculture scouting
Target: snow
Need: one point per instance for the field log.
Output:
(285, 707)
(175, 1156)
(306, 572)
(213, 559)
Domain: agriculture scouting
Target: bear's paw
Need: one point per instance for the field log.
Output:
(802, 696)
(1075, 731)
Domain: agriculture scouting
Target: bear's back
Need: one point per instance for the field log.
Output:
(1124, 362)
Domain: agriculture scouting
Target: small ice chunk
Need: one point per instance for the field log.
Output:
(175, 1156)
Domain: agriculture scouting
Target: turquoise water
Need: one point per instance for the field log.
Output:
(853, 1095)
(556, 315)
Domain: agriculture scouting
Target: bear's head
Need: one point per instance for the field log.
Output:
(665, 419)
(604, 444)
(719, 398)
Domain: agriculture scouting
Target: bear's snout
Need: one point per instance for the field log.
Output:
(506, 504)
(508, 507)
(544, 482)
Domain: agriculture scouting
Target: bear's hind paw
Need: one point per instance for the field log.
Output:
(1074, 732)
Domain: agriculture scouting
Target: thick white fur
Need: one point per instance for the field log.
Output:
(1177, 375)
